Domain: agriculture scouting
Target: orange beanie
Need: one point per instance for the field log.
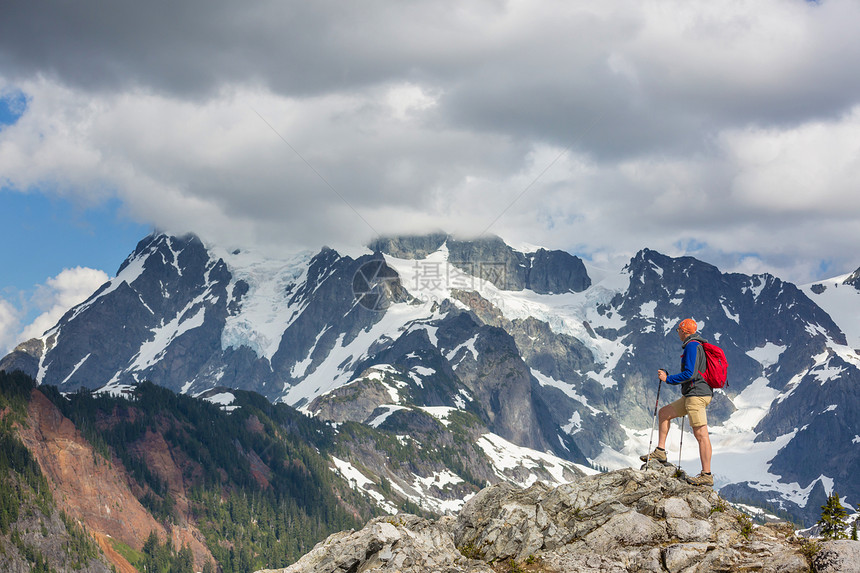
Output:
(688, 326)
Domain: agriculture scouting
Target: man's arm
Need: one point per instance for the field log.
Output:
(689, 364)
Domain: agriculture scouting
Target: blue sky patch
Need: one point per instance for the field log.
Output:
(57, 234)
(13, 104)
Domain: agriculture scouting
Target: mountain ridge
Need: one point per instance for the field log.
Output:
(460, 330)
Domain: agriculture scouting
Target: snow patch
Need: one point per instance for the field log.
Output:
(390, 409)
(565, 387)
(468, 345)
(117, 390)
(152, 350)
(301, 367)
(267, 309)
(441, 413)
(223, 399)
(416, 374)
(574, 425)
(729, 314)
(75, 369)
(507, 456)
(766, 355)
(361, 482)
(337, 368)
(647, 309)
(842, 303)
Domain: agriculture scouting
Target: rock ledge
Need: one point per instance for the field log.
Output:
(622, 521)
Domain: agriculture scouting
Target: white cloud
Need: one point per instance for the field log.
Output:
(9, 326)
(809, 169)
(58, 295)
(723, 130)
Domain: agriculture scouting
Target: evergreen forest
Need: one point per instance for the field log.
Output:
(256, 478)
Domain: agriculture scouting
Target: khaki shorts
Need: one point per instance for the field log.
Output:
(694, 407)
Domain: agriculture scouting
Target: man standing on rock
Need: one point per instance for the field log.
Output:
(696, 395)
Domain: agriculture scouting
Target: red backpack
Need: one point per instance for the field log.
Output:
(717, 365)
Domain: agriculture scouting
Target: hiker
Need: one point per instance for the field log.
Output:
(696, 395)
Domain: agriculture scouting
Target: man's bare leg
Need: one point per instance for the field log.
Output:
(701, 434)
(666, 415)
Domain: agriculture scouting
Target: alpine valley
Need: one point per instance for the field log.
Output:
(428, 367)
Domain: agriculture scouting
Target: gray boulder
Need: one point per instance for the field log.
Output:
(402, 543)
(841, 556)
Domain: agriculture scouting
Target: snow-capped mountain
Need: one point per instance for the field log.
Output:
(496, 345)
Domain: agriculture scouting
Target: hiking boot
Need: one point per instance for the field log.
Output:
(657, 454)
(701, 479)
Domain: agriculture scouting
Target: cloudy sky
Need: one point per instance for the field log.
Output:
(729, 131)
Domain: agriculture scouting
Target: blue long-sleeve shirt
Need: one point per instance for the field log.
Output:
(692, 362)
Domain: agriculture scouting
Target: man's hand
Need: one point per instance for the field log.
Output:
(662, 374)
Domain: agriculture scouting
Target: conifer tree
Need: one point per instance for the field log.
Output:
(833, 516)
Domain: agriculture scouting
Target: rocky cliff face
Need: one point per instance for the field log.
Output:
(491, 259)
(93, 490)
(622, 521)
(854, 279)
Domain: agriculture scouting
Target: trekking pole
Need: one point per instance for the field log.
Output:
(654, 422)
(681, 445)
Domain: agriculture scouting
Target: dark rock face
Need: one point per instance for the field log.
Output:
(554, 272)
(826, 444)
(106, 337)
(491, 259)
(25, 357)
(544, 272)
(853, 280)
(409, 247)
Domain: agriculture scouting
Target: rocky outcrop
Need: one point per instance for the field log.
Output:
(622, 521)
(853, 279)
(37, 536)
(403, 544)
(841, 555)
(25, 357)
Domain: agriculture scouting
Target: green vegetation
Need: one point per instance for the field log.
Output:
(403, 454)
(471, 551)
(24, 491)
(21, 481)
(808, 548)
(135, 558)
(38, 562)
(719, 506)
(80, 547)
(162, 558)
(257, 479)
(746, 523)
(832, 522)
